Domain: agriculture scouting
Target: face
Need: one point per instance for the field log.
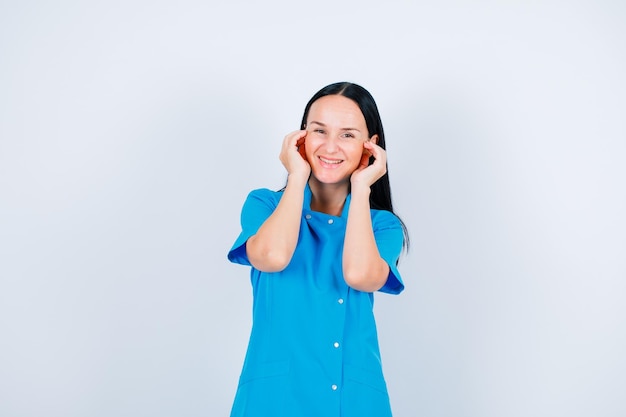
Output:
(334, 142)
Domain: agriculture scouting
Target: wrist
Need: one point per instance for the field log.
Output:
(297, 178)
(360, 190)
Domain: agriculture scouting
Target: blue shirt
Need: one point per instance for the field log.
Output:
(313, 348)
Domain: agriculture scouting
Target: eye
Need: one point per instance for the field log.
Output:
(320, 131)
(347, 135)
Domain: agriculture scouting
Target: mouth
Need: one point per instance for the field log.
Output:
(329, 163)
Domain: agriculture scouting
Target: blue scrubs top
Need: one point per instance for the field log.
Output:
(313, 347)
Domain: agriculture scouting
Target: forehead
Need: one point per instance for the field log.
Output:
(336, 110)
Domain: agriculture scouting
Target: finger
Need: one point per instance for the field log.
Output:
(376, 151)
(369, 151)
(302, 150)
(298, 134)
(293, 137)
(293, 140)
(371, 146)
(298, 140)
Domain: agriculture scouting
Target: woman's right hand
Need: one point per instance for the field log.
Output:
(292, 155)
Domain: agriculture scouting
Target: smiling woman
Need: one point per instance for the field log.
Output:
(335, 139)
(318, 249)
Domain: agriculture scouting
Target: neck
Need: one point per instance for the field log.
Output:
(328, 198)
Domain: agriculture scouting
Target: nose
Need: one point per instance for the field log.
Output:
(331, 144)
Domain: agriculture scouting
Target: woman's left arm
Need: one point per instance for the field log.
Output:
(363, 267)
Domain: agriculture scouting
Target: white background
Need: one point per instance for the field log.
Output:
(131, 132)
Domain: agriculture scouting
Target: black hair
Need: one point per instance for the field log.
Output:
(380, 197)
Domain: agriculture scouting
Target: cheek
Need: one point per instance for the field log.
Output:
(357, 152)
(310, 145)
(308, 150)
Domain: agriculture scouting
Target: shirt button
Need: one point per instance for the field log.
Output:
(333, 387)
(330, 221)
(340, 301)
(308, 217)
(336, 344)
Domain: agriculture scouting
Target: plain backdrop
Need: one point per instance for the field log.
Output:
(132, 131)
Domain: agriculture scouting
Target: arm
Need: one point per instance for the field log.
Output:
(363, 267)
(271, 248)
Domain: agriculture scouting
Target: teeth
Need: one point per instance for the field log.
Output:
(326, 161)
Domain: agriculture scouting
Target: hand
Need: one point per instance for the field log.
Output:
(292, 154)
(366, 175)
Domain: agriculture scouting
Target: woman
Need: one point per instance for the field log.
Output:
(318, 250)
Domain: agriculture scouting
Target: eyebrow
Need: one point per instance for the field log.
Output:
(343, 128)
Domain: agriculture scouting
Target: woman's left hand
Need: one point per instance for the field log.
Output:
(365, 174)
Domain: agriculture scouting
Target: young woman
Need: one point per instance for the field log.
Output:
(318, 250)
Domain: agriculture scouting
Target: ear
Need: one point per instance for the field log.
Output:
(374, 139)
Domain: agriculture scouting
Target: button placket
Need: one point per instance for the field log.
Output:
(336, 345)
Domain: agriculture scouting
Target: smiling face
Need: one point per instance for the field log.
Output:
(334, 142)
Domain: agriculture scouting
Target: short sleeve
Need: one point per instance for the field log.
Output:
(259, 205)
(389, 237)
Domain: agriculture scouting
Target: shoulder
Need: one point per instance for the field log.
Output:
(259, 204)
(384, 219)
(265, 195)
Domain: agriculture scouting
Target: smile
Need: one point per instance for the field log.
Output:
(330, 161)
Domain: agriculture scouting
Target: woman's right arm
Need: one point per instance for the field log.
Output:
(273, 245)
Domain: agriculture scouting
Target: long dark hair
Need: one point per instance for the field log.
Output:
(380, 197)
